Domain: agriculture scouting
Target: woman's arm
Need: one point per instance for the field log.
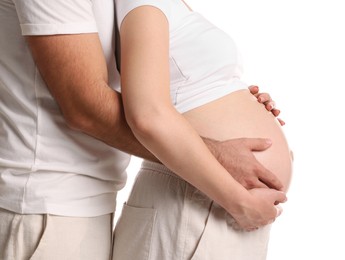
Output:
(165, 132)
(75, 71)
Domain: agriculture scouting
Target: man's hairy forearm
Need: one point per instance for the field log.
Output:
(109, 126)
(75, 71)
(122, 137)
(106, 121)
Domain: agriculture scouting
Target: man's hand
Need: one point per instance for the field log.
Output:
(236, 156)
(265, 99)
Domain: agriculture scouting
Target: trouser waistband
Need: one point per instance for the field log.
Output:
(158, 167)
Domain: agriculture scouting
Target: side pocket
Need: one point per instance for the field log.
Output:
(133, 233)
(42, 242)
(218, 241)
(221, 241)
(201, 247)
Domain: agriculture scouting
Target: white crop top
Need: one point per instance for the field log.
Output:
(204, 61)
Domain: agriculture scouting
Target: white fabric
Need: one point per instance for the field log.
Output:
(45, 167)
(204, 61)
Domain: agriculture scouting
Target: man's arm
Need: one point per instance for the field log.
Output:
(74, 69)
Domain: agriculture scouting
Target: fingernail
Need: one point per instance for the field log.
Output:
(279, 210)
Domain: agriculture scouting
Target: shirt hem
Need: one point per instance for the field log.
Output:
(81, 211)
(211, 96)
(54, 29)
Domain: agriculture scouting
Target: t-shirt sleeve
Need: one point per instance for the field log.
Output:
(49, 17)
(123, 7)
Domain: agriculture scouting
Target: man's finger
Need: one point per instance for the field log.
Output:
(255, 184)
(258, 144)
(269, 179)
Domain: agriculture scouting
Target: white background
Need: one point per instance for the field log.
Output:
(295, 50)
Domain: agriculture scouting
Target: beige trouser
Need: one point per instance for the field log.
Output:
(47, 237)
(165, 218)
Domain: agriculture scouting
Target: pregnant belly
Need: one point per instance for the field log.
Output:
(239, 114)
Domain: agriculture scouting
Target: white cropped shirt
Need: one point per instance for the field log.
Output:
(204, 61)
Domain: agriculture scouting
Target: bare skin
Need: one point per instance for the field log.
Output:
(252, 120)
(74, 68)
(75, 71)
(166, 133)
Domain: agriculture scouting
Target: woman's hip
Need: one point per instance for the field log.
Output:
(167, 218)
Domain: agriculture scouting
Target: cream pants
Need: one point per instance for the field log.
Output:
(47, 237)
(166, 218)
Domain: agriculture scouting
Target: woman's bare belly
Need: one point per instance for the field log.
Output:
(239, 114)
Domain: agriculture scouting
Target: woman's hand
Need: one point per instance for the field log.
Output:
(261, 209)
(265, 99)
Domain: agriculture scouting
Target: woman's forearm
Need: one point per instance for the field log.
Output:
(165, 132)
(178, 146)
(181, 149)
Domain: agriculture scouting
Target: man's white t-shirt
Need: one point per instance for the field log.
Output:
(46, 167)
